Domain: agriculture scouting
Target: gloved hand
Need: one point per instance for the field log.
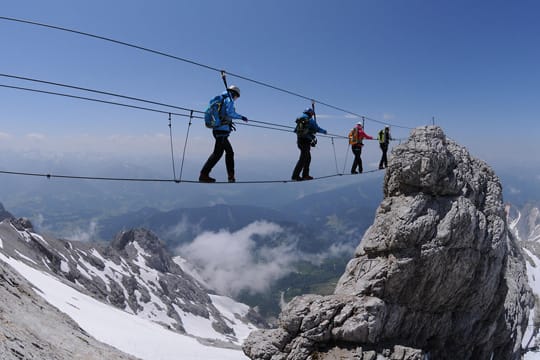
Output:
(245, 118)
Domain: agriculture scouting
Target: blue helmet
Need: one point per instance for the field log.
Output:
(309, 111)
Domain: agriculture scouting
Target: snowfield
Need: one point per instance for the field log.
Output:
(126, 332)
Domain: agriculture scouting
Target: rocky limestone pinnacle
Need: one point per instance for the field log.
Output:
(436, 276)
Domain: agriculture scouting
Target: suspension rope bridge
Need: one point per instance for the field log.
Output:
(189, 113)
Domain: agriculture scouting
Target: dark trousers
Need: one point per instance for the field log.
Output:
(305, 158)
(357, 151)
(384, 160)
(222, 145)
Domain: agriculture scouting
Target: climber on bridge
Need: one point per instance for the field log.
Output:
(384, 140)
(306, 128)
(222, 124)
(356, 137)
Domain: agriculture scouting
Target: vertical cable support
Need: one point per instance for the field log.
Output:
(335, 157)
(185, 145)
(172, 148)
(346, 156)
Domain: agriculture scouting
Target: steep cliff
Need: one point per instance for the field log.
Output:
(30, 328)
(436, 276)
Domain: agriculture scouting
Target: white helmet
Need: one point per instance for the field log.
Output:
(235, 89)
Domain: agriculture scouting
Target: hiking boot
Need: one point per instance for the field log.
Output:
(354, 172)
(381, 167)
(307, 177)
(205, 178)
(232, 179)
(296, 178)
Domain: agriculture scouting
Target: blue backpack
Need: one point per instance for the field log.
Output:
(213, 114)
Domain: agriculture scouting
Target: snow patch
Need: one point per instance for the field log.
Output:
(64, 266)
(128, 333)
(230, 310)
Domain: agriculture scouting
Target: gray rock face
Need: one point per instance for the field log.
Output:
(135, 273)
(26, 322)
(4, 214)
(436, 276)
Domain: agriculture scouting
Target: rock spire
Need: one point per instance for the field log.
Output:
(436, 276)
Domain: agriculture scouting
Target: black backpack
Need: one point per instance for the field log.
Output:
(302, 126)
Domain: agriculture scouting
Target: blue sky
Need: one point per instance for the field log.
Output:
(473, 65)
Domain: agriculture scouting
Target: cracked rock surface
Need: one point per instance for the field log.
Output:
(436, 276)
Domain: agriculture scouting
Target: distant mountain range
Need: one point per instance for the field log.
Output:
(134, 273)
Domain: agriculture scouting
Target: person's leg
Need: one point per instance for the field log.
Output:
(301, 160)
(212, 160)
(382, 156)
(355, 161)
(307, 156)
(360, 168)
(229, 159)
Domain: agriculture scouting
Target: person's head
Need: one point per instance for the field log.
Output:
(359, 125)
(387, 128)
(234, 91)
(309, 112)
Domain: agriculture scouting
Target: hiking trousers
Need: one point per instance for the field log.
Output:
(222, 145)
(384, 159)
(304, 144)
(357, 151)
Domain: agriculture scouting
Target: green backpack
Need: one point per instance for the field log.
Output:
(381, 137)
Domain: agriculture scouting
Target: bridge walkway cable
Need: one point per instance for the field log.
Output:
(270, 126)
(191, 116)
(174, 179)
(171, 180)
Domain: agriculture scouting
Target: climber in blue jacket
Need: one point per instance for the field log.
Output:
(221, 133)
(306, 128)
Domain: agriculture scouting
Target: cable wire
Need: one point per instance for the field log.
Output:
(91, 99)
(277, 128)
(200, 65)
(124, 179)
(97, 92)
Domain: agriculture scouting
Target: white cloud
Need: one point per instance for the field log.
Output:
(5, 136)
(78, 233)
(183, 227)
(231, 262)
(35, 136)
(387, 116)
